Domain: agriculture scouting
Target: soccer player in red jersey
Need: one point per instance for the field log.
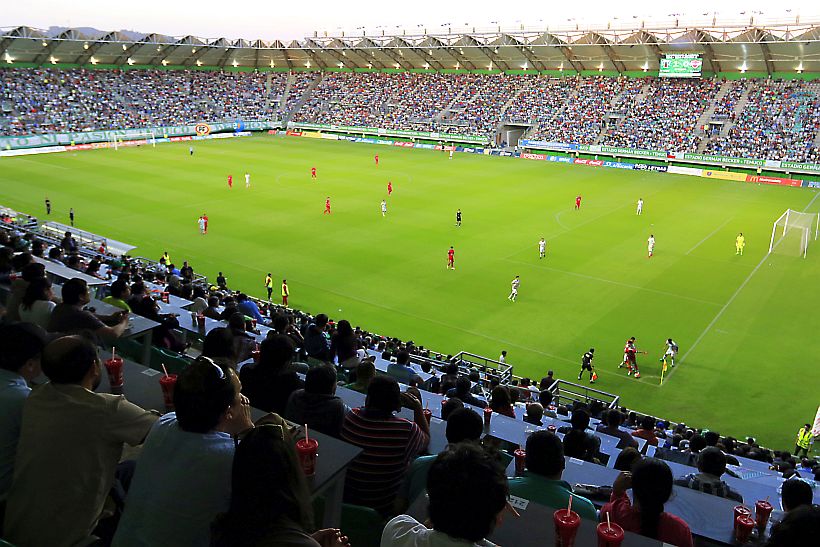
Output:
(313, 172)
(327, 206)
(389, 186)
(451, 259)
(376, 157)
(230, 181)
(205, 218)
(578, 202)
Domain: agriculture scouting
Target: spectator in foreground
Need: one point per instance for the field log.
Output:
(183, 476)
(70, 317)
(534, 415)
(68, 486)
(711, 465)
(612, 428)
(500, 401)
(317, 404)
(799, 527)
(450, 405)
(19, 364)
(794, 493)
(37, 303)
(627, 458)
(401, 370)
(389, 444)
(120, 293)
(269, 383)
(463, 426)
(647, 432)
(651, 484)
(270, 502)
(542, 482)
(468, 493)
(463, 391)
(365, 371)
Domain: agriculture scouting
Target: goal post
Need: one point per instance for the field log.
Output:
(148, 136)
(793, 231)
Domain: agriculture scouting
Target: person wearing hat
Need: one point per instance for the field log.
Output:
(586, 364)
(805, 439)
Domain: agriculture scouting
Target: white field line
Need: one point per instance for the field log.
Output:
(699, 243)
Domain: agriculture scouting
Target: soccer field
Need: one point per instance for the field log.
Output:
(746, 325)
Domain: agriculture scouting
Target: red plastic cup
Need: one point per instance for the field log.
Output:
(762, 511)
(427, 414)
(610, 535)
(114, 368)
(488, 413)
(307, 450)
(739, 511)
(520, 461)
(255, 355)
(200, 321)
(164, 296)
(744, 524)
(167, 384)
(253, 323)
(566, 527)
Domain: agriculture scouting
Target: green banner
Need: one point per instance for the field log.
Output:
(722, 159)
(389, 132)
(85, 137)
(804, 166)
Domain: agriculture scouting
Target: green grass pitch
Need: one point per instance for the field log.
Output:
(746, 326)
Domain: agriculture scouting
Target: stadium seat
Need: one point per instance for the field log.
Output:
(173, 362)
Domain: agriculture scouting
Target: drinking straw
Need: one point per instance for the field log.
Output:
(165, 370)
(307, 438)
(113, 352)
(569, 507)
(608, 524)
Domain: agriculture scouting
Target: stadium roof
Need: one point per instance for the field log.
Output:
(730, 48)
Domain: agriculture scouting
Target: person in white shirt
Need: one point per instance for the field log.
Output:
(640, 206)
(201, 223)
(247, 180)
(650, 245)
(542, 248)
(468, 495)
(671, 351)
(503, 357)
(514, 292)
(37, 304)
(384, 207)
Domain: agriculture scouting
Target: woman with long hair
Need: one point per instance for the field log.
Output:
(37, 305)
(270, 505)
(501, 402)
(651, 483)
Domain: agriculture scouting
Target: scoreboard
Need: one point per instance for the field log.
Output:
(681, 65)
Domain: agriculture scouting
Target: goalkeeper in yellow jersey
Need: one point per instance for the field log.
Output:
(740, 242)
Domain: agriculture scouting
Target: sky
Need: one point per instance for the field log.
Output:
(269, 19)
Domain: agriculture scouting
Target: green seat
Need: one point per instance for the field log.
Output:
(173, 362)
(130, 349)
(362, 525)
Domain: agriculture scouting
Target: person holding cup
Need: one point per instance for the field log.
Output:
(270, 502)
(651, 484)
(170, 502)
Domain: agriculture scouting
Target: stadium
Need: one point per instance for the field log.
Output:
(500, 267)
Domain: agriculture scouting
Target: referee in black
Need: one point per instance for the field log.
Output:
(586, 364)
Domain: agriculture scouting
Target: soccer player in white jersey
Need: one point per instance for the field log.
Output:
(247, 180)
(650, 245)
(384, 207)
(451, 154)
(671, 351)
(514, 286)
(640, 206)
(542, 248)
(201, 223)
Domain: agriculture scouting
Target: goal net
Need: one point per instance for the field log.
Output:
(793, 231)
(148, 136)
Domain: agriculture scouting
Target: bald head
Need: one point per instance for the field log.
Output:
(70, 360)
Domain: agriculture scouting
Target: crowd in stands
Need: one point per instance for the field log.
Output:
(780, 121)
(48, 100)
(665, 117)
(255, 492)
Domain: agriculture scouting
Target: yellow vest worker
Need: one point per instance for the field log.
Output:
(804, 440)
(285, 293)
(740, 242)
(269, 285)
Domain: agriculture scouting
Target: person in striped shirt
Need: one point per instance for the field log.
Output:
(389, 444)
